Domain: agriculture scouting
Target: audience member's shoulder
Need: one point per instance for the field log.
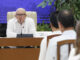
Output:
(55, 39)
(44, 40)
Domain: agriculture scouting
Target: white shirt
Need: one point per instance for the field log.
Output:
(14, 27)
(52, 47)
(73, 56)
(43, 46)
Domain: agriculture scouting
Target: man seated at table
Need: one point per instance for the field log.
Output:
(20, 24)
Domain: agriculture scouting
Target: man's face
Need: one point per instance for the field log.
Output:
(20, 15)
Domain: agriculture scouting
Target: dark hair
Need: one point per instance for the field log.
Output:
(53, 19)
(66, 18)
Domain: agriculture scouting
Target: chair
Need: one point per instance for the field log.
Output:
(51, 36)
(31, 14)
(19, 53)
(60, 43)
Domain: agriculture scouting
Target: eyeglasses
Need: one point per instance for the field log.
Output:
(20, 14)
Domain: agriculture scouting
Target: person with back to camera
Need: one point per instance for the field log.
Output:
(55, 31)
(66, 25)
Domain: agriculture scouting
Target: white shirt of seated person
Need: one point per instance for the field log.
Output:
(14, 27)
(73, 56)
(43, 46)
(52, 46)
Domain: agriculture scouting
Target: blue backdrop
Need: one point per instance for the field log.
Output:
(29, 5)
